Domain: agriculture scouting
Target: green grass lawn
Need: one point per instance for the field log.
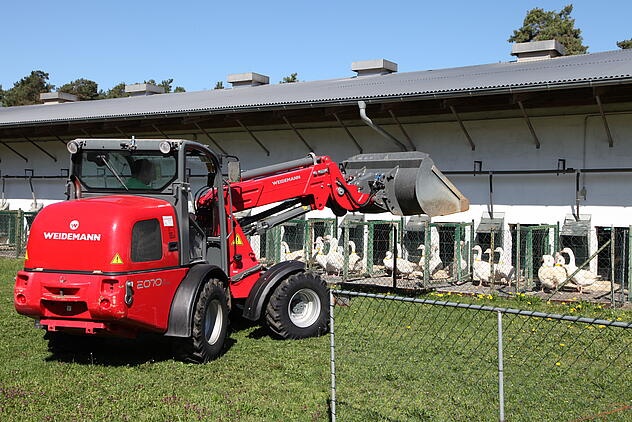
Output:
(396, 362)
(257, 379)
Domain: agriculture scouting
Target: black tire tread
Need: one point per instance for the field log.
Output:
(192, 349)
(275, 309)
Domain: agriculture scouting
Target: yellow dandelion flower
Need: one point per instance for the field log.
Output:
(557, 363)
(619, 319)
(408, 326)
(490, 297)
(590, 327)
(528, 303)
(562, 344)
(602, 326)
(574, 298)
(533, 330)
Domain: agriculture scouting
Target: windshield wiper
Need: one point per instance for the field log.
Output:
(102, 157)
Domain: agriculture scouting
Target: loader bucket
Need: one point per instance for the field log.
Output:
(405, 183)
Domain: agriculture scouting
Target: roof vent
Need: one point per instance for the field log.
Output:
(239, 80)
(141, 90)
(57, 97)
(374, 67)
(537, 50)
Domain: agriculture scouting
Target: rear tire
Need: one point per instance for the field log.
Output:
(299, 307)
(210, 325)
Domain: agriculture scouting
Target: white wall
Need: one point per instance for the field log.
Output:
(501, 144)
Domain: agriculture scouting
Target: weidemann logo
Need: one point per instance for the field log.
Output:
(95, 237)
(287, 179)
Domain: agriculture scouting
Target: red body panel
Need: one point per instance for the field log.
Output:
(67, 298)
(86, 234)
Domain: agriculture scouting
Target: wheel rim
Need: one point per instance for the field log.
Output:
(213, 321)
(304, 308)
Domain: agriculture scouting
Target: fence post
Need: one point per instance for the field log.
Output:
(492, 255)
(470, 253)
(345, 255)
(629, 264)
(528, 263)
(518, 257)
(332, 356)
(612, 243)
(458, 254)
(369, 249)
(501, 374)
(556, 240)
(395, 256)
(19, 227)
(426, 253)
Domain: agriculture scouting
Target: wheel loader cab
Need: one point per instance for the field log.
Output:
(174, 171)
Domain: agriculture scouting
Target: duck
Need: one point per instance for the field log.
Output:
(583, 278)
(504, 271)
(286, 255)
(335, 259)
(403, 266)
(552, 272)
(481, 270)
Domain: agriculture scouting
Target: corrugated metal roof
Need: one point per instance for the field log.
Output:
(606, 67)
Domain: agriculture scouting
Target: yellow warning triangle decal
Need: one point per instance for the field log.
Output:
(237, 240)
(117, 259)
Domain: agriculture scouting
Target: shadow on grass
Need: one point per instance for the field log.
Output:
(260, 331)
(119, 352)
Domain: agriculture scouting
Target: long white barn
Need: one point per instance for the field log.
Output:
(535, 140)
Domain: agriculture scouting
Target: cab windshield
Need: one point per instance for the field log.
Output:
(125, 170)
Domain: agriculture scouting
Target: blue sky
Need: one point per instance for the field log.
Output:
(199, 43)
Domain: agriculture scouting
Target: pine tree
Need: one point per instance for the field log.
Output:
(541, 25)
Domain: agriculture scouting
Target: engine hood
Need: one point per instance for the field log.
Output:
(94, 234)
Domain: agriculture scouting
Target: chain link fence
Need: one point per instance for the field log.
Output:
(453, 357)
(593, 264)
(14, 231)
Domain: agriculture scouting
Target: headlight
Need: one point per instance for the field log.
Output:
(165, 147)
(73, 147)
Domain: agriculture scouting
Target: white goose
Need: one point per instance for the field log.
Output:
(583, 278)
(335, 259)
(286, 255)
(435, 260)
(318, 254)
(504, 271)
(355, 262)
(552, 272)
(481, 270)
(403, 266)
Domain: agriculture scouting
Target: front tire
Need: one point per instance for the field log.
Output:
(210, 325)
(299, 307)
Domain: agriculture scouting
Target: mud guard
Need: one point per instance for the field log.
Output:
(181, 312)
(262, 287)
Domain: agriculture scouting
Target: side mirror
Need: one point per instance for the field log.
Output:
(234, 171)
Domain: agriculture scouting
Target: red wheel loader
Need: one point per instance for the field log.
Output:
(134, 249)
